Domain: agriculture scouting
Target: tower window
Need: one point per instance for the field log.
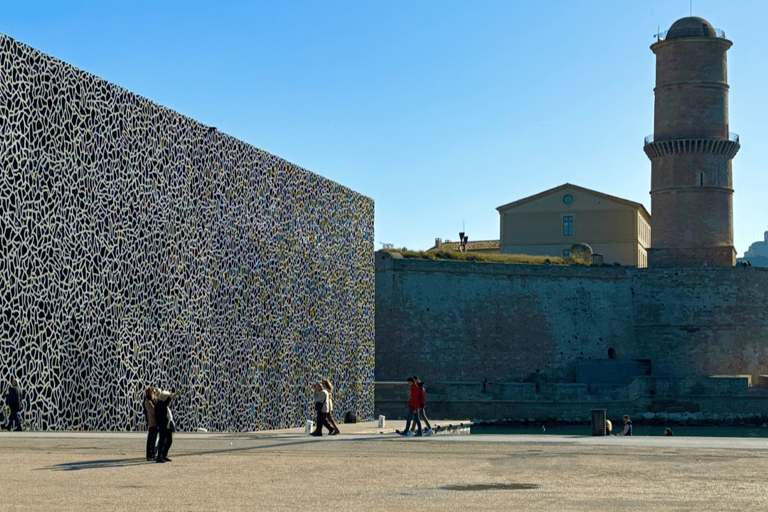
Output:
(568, 225)
(701, 179)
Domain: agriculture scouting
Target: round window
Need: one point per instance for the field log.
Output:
(567, 198)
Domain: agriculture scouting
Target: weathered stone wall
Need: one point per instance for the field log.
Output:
(457, 321)
(702, 321)
(138, 246)
(464, 321)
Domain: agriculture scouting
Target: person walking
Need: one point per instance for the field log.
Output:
(329, 388)
(321, 407)
(165, 425)
(13, 400)
(413, 407)
(422, 401)
(149, 416)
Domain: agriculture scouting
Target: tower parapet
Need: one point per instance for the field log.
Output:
(691, 149)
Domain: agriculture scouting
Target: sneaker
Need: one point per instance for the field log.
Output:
(419, 434)
(335, 432)
(409, 433)
(429, 432)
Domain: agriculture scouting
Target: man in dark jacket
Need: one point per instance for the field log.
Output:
(13, 400)
(165, 426)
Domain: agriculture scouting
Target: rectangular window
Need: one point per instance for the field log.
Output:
(566, 253)
(568, 225)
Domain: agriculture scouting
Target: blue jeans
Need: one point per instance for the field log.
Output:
(412, 416)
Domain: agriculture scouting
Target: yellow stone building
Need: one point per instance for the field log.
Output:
(550, 222)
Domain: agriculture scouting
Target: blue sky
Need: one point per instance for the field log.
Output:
(438, 110)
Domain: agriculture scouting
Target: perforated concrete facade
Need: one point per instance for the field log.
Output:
(141, 247)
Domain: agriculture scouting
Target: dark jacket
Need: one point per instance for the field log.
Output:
(13, 398)
(161, 412)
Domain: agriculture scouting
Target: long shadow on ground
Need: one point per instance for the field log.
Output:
(119, 463)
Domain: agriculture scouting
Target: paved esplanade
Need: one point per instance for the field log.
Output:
(365, 470)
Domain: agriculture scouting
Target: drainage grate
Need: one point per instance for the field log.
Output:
(489, 487)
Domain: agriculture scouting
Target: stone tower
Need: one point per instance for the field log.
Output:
(691, 149)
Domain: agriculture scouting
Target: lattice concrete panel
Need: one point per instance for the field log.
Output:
(138, 247)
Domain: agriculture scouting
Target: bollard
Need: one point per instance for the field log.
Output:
(309, 426)
(382, 420)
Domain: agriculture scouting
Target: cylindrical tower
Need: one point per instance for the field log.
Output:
(691, 149)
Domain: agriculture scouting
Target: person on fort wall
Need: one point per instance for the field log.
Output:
(165, 424)
(13, 401)
(322, 410)
(149, 416)
(413, 407)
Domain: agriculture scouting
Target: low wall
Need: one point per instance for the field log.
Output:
(572, 402)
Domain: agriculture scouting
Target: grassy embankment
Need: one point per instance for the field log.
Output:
(523, 259)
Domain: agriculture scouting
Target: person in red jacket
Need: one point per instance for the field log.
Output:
(421, 414)
(414, 404)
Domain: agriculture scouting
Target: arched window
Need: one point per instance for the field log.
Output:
(611, 353)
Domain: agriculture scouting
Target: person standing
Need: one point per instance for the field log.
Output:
(329, 388)
(149, 415)
(165, 425)
(13, 400)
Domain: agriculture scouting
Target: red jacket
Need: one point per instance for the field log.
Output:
(414, 402)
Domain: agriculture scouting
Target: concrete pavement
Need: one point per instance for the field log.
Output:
(367, 468)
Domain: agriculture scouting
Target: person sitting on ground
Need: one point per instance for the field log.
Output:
(627, 426)
(668, 432)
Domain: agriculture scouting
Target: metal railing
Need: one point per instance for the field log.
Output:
(661, 36)
(731, 136)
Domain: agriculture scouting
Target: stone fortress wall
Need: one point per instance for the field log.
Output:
(138, 246)
(501, 341)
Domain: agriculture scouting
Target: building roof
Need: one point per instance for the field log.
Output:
(479, 245)
(528, 199)
(691, 27)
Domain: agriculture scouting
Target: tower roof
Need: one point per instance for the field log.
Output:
(692, 26)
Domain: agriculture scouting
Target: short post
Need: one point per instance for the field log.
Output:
(598, 422)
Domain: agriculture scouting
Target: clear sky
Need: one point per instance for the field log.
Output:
(439, 110)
